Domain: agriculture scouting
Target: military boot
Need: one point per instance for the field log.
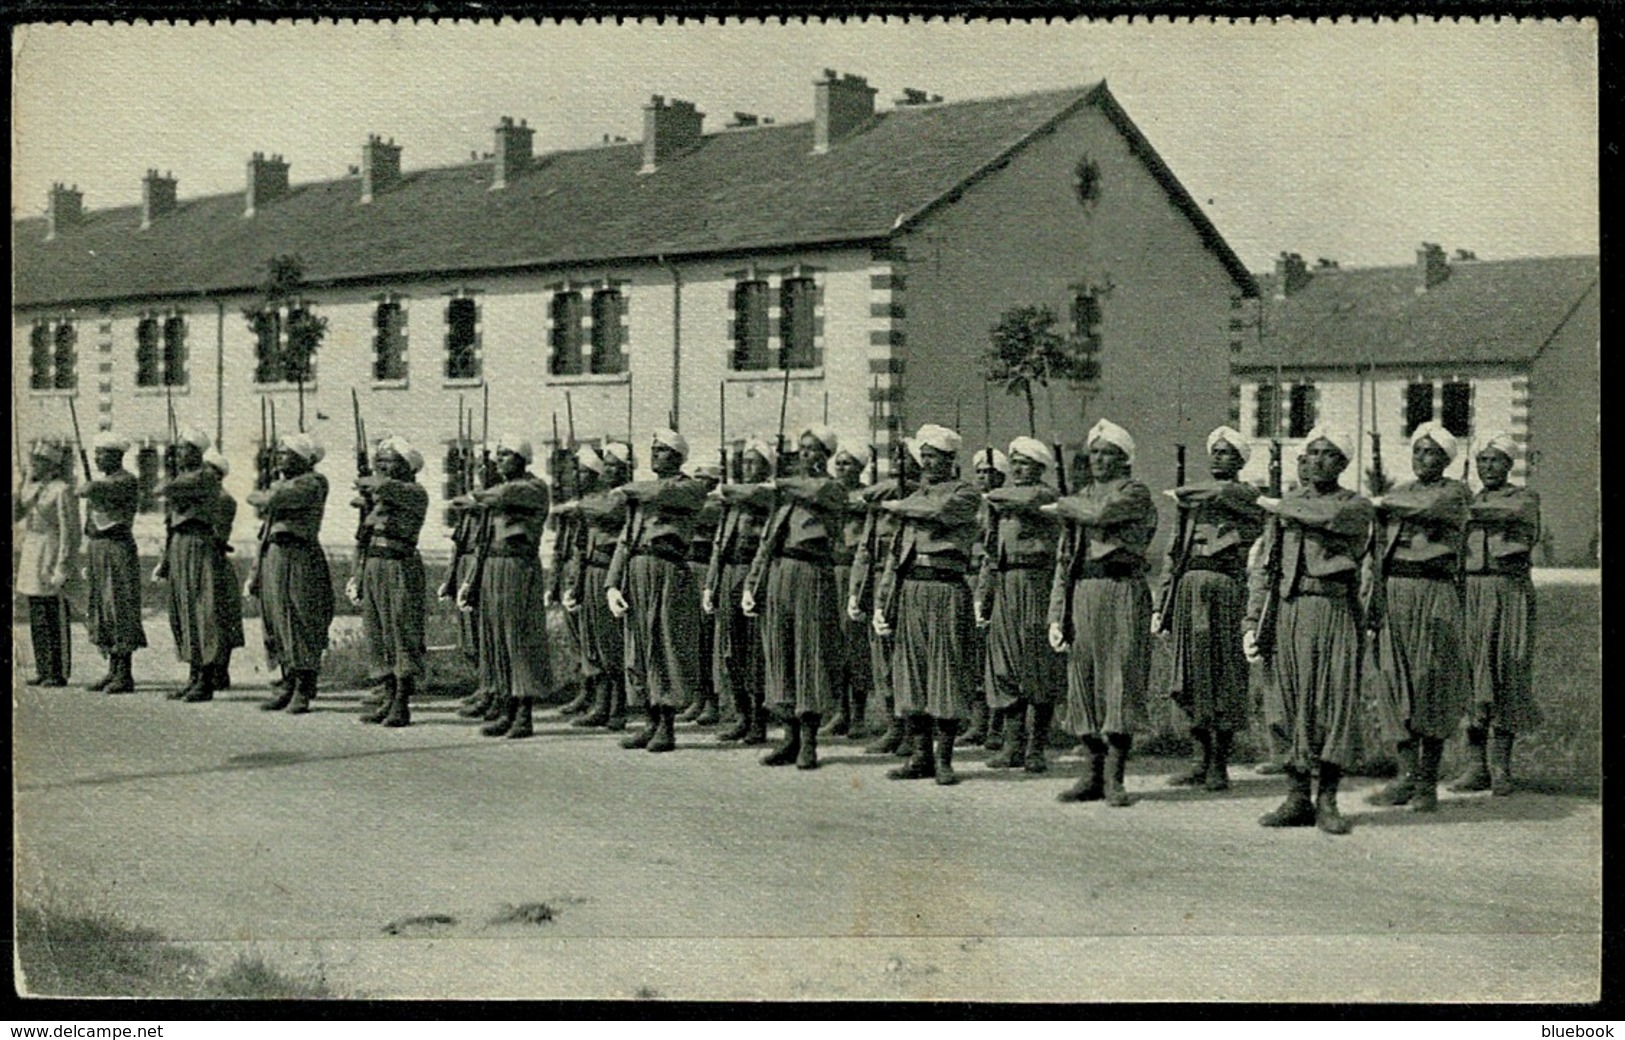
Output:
(617, 703)
(1477, 775)
(741, 725)
(922, 763)
(599, 715)
(498, 727)
(1297, 810)
(1196, 775)
(1038, 738)
(692, 712)
(582, 703)
(400, 706)
(1327, 818)
(1218, 770)
(710, 712)
(1012, 753)
(651, 726)
(1426, 797)
(887, 743)
(194, 679)
(123, 681)
(1116, 766)
(283, 697)
(839, 723)
(381, 712)
(787, 752)
(222, 671)
(1091, 786)
(858, 720)
(665, 738)
(304, 691)
(522, 724)
(497, 708)
(1404, 783)
(1501, 782)
(947, 729)
(106, 680)
(205, 687)
(995, 730)
(808, 757)
(477, 705)
(757, 734)
(976, 733)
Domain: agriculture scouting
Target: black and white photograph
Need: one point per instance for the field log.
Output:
(1071, 511)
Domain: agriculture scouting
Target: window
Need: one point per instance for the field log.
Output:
(798, 323)
(1301, 410)
(462, 339)
(267, 326)
(1456, 407)
(750, 326)
(1086, 322)
(148, 368)
(608, 357)
(147, 463)
(1267, 410)
(39, 357)
(1418, 406)
(389, 342)
(174, 350)
(565, 349)
(304, 336)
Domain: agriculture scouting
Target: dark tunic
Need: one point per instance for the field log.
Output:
(296, 586)
(868, 562)
(114, 615)
(393, 593)
(651, 569)
(924, 588)
(464, 536)
(603, 647)
(193, 560)
(1415, 607)
(1503, 527)
(699, 561)
(737, 658)
(855, 635)
(1220, 522)
(1013, 593)
(793, 580)
(228, 596)
(513, 589)
(1313, 706)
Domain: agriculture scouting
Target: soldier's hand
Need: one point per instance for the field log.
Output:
(1265, 502)
(352, 590)
(708, 602)
(571, 604)
(1057, 638)
(1156, 623)
(879, 623)
(248, 589)
(747, 603)
(1249, 645)
(853, 610)
(444, 591)
(465, 598)
(617, 602)
(160, 572)
(982, 620)
(59, 577)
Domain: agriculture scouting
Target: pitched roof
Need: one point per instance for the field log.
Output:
(1485, 311)
(740, 190)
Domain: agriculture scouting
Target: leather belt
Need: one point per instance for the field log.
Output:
(192, 527)
(1329, 588)
(662, 552)
(1496, 569)
(1430, 570)
(117, 534)
(936, 574)
(1026, 563)
(380, 544)
(1230, 564)
(600, 558)
(390, 552)
(521, 551)
(814, 556)
(941, 562)
(1112, 568)
(288, 538)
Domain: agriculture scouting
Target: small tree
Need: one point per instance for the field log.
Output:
(1025, 351)
(292, 359)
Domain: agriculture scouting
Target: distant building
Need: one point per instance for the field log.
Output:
(869, 251)
(1478, 345)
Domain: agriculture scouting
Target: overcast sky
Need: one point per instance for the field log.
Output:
(1349, 141)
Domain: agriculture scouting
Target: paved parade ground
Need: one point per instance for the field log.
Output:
(386, 861)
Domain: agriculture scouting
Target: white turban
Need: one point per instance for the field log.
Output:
(841, 453)
(402, 447)
(1001, 462)
(825, 434)
(938, 437)
(1502, 442)
(195, 437)
(1438, 435)
(1033, 449)
(912, 445)
(587, 457)
(618, 451)
(516, 444)
(218, 461)
(1336, 438)
(1231, 436)
(107, 440)
(762, 448)
(673, 440)
(303, 445)
(1113, 434)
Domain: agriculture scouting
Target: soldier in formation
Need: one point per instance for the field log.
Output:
(111, 564)
(228, 602)
(603, 515)
(390, 585)
(990, 469)
(705, 709)
(295, 583)
(851, 717)
(192, 561)
(48, 509)
(737, 662)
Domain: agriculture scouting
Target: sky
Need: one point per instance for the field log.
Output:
(1353, 141)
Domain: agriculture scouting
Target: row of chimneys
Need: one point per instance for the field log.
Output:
(842, 105)
(1292, 272)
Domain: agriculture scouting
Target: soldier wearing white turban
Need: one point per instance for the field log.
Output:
(195, 565)
(228, 602)
(704, 710)
(1201, 601)
(602, 516)
(990, 469)
(738, 660)
(1414, 612)
(1503, 528)
(390, 584)
(851, 711)
(868, 562)
(1318, 540)
(48, 509)
(113, 569)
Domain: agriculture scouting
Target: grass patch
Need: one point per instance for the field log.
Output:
(65, 953)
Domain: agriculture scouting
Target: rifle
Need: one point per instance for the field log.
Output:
(464, 454)
(560, 534)
(1182, 550)
(1269, 614)
(779, 532)
(363, 468)
(171, 471)
(78, 442)
(262, 482)
(990, 537)
(874, 427)
(469, 596)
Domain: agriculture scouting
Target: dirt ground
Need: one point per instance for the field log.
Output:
(387, 860)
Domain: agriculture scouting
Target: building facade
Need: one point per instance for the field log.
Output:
(636, 285)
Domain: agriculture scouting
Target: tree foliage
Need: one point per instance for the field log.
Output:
(1025, 351)
(293, 357)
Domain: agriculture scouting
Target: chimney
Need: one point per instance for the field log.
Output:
(64, 208)
(840, 106)
(1291, 275)
(157, 197)
(513, 155)
(1432, 267)
(668, 128)
(380, 166)
(743, 119)
(267, 181)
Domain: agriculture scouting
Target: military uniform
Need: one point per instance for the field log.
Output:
(856, 666)
(511, 595)
(393, 590)
(296, 585)
(49, 512)
(704, 710)
(228, 598)
(193, 561)
(868, 562)
(737, 661)
(114, 617)
(603, 659)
